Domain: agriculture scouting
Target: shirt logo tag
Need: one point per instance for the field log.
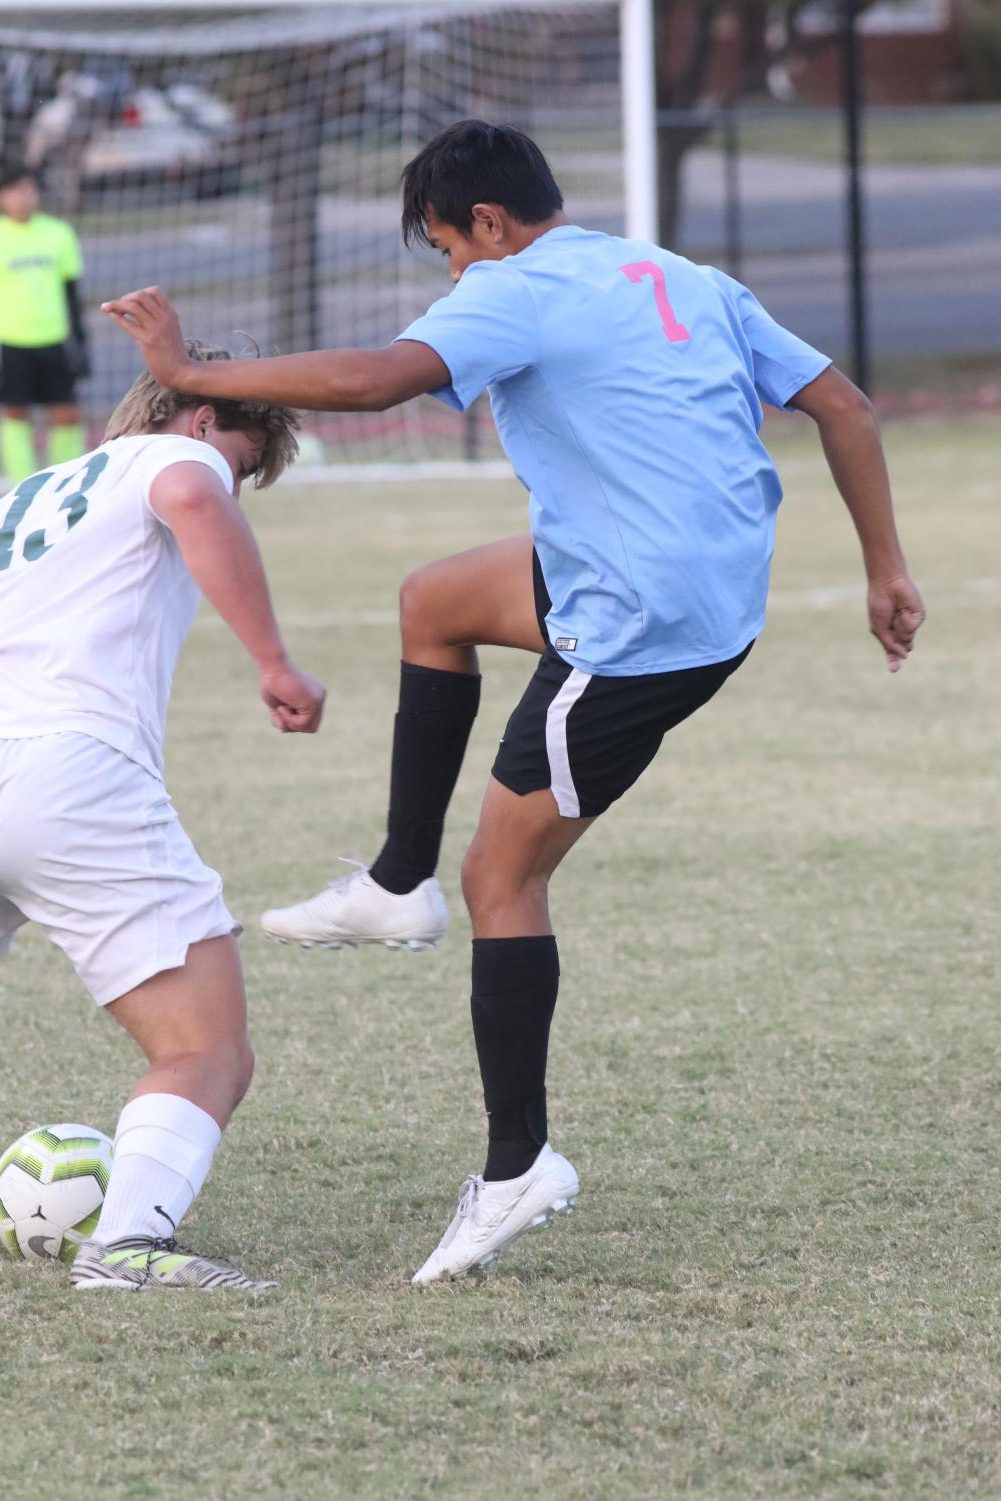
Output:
(565, 643)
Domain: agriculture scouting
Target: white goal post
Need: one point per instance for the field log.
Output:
(246, 155)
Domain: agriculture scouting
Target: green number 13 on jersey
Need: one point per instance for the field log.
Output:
(37, 496)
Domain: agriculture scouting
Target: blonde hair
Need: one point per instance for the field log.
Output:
(147, 407)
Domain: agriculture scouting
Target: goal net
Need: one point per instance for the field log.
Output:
(249, 163)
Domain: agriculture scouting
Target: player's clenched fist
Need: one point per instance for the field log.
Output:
(896, 613)
(149, 317)
(294, 698)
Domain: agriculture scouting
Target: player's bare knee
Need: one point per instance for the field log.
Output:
(471, 876)
(488, 890)
(416, 607)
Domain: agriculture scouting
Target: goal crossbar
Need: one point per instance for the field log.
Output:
(247, 155)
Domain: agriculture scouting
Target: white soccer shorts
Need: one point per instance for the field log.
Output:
(92, 850)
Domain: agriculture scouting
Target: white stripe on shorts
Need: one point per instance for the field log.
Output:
(561, 780)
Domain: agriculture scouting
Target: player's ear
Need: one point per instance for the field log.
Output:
(203, 420)
(489, 219)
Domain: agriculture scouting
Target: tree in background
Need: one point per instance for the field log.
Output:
(980, 40)
(765, 36)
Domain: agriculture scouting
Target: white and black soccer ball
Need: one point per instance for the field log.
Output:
(52, 1185)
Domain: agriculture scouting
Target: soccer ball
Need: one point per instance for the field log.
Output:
(52, 1185)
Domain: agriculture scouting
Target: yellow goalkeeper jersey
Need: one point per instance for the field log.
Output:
(36, 259)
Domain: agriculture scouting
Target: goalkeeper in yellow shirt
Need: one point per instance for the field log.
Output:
(43, 346)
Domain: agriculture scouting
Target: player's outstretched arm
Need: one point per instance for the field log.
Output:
(853, 448)
(334, 380)
(218, 547)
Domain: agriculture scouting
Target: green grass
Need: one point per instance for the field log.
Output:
(954, 378)
(776, 1063)
(938, 136)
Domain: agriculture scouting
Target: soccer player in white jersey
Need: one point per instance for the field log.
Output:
(102, 564)
(627, 386)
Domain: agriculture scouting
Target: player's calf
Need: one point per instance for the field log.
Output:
(190, 1021)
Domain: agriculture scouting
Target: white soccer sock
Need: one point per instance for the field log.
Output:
(164, 1146)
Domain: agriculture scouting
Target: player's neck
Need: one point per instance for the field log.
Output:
(523, 235)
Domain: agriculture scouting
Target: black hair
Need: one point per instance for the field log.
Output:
(473, 162)
(12, 172)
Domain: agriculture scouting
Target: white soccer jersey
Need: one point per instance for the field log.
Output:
(95, 599)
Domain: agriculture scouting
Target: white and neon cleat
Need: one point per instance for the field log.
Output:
(139, 1263)
(492, 1216)
(356, 910)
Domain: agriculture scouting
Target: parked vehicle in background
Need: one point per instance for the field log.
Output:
(103, 133)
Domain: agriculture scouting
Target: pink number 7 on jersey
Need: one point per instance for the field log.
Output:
(675, 331)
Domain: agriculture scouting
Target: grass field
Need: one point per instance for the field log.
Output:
(962, 136)
(776, 1064)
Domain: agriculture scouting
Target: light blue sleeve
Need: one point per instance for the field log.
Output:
(484, 330)
(783, 363)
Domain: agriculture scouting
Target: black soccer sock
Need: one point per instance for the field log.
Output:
(515, 982)
(431, 731)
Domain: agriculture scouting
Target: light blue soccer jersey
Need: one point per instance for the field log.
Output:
(626, 385)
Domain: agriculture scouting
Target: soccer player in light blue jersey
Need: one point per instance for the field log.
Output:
(627, 385)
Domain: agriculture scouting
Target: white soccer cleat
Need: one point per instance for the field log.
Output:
(492, 1216)
(356, 910)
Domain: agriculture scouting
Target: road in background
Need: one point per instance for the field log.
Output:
(934, 269)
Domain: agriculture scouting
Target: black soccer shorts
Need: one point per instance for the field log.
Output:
(42, 377)
(589, 738)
